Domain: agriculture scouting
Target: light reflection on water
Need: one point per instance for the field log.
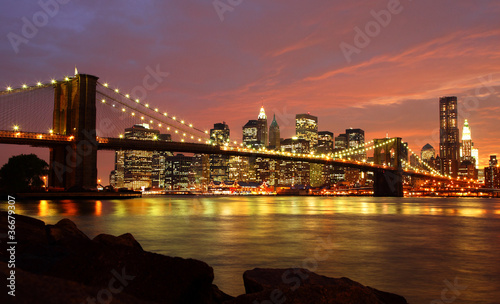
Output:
(407, 246)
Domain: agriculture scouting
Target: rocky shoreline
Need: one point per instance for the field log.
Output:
(60, 264)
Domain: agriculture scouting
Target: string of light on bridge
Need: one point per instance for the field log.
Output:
(164, 114)
(434, 171)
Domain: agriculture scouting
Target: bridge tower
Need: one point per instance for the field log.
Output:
(75, 165)
(391, 153)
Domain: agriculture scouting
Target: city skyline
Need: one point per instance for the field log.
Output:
(304, 71)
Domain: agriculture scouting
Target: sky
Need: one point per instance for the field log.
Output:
(376, 65)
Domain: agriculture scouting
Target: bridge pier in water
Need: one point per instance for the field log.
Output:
(389, 182)
(74, 166)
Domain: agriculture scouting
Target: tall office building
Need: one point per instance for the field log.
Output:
(134, 168)
(177, 171)
(306, 127)
(356, 138)
(255, 131)
(340, 142)
(220, 133)
(274, 134)
(251, 136)
(200, 168)
(325, 142)
(219, 164)
(492, 174)
(467, 151)
(158, 164)
(449, 145)
(262, 119)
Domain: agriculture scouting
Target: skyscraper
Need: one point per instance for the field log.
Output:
(134, 168)
(325, 142)
(220, 133)
(219, 164)
(356, 138)
(467, 151)
(262, 119)
(255, 131)
(274, 134)
(449, 145)
(306, 127)
(340, 142)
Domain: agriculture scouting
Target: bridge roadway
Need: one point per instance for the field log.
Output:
(105, 143)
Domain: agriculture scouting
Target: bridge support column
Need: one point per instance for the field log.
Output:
(388, 183)
(74, 166)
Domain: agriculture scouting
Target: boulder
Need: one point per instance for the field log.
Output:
(303, 286)
(126, 239)
(65, 230)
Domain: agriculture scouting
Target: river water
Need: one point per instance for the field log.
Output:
(415, 247)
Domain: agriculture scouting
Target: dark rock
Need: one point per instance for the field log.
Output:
(302, 286)
(65, 230)
(67, 253)
(219, 296)
(35, 288)
(126, 239)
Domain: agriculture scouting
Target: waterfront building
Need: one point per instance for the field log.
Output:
(306, 127)
(219, 164)
(492, 174)
(239, 168)
(158, 164)
(449, 145)
(294, 172)
(468, 170)
(200, 168)
(177, 172)
(134, 168)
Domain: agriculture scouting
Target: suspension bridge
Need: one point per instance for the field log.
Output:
(77, 116)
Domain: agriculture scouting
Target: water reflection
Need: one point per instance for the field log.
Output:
(408, 246)
(208, 206)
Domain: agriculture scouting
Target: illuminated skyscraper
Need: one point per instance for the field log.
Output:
(467, 151)
(274, 135)
(449, 145)
(219, 164)
(325, 142)
(356, 138)
(134, 168)
(306, 127)
(255, 131)
(220, 133)
(262, 119)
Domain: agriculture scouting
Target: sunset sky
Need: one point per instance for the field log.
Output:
(227, 58)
